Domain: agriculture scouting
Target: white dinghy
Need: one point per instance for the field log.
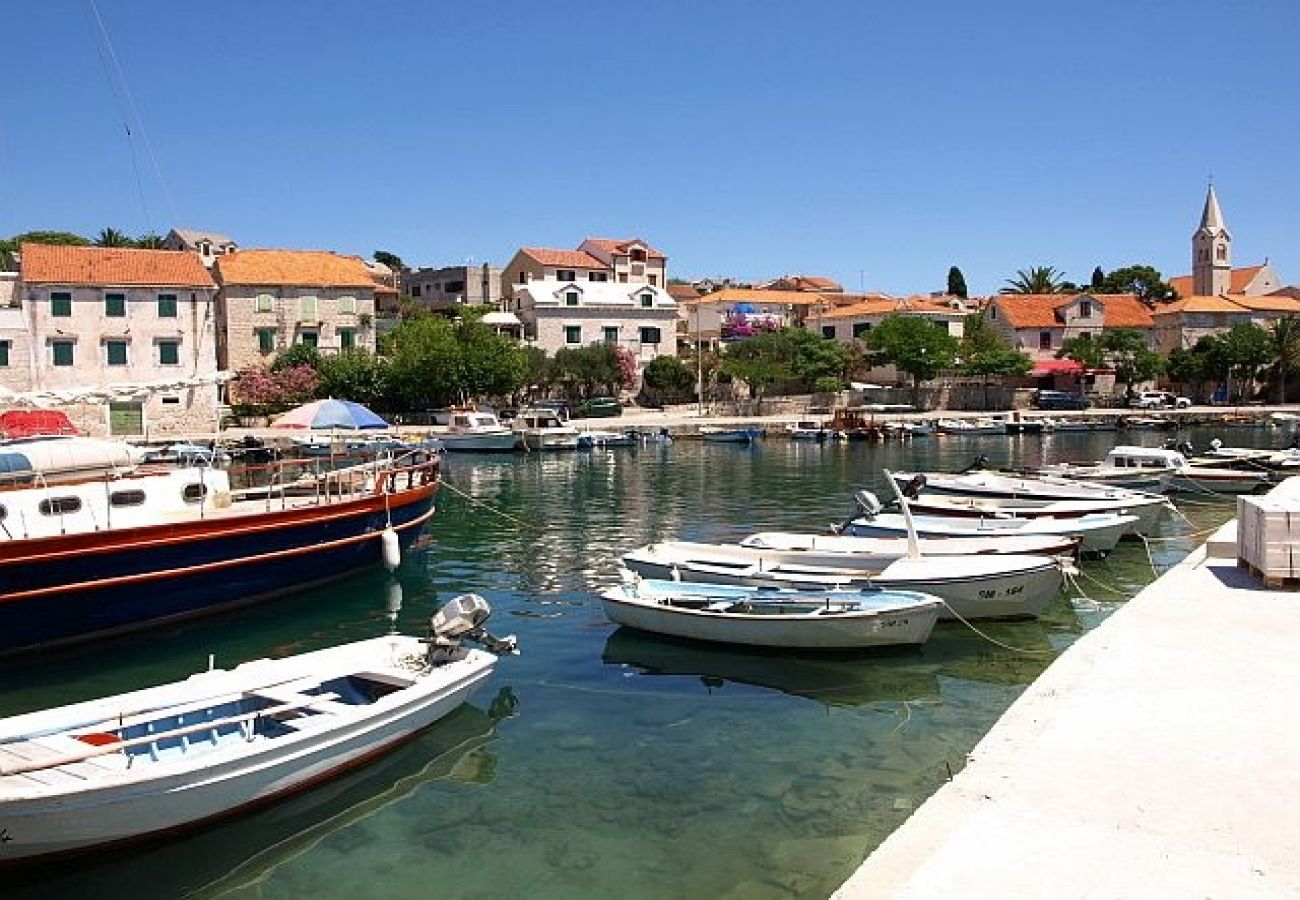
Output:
(1000, 485)
(773, 617)
(169, 758)
(1146, 508)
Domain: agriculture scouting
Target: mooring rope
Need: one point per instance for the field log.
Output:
(992, 640)
(496, 512)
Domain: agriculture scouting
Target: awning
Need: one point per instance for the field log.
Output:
(1047, 367)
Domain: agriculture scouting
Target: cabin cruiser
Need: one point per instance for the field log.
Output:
(543, 429)
(1187, 478)
(477, 431)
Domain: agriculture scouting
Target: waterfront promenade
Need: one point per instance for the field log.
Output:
(1156, 758)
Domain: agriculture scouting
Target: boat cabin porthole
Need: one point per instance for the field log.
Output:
(193, 493)
(126, 498)
(60, 506)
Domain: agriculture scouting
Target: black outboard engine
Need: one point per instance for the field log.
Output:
(1186, 449)
(912, 490)
(980, 462)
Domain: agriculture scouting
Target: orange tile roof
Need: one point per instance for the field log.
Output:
(1043, 310)
(303, 268)
(613, 245)
(802, 283)
(112, 266)
(579, 259)
(681, 292)
(1238, 280)
(1195, 304)
(1274, 302)
(747, 295)
(886, 306)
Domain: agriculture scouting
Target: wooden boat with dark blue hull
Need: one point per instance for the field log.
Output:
(98, 557)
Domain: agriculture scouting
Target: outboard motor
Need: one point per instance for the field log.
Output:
(1186, 448)
(462, 618)
(868, 503)
(980, 462)
(912, 490)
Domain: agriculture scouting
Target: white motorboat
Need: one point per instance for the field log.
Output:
(1097, 532)
(543, 429)
(1147, 481)
(780, 618)
(918, 429)
(974, 586)
(839, 546)
(477, 431)
(984, 483)
(807, 430)
(1188, 478)
(1146, 508)
(590, 439)
(179, 755)
(970, 426)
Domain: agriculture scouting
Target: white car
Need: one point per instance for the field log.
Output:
(1158, 400)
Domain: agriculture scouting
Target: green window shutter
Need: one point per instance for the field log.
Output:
(647, 299)
(650, 335)
(573, 334)
(166, 306)
(828, 332)
(571, 298)
(310, 338)
(115, 305)
(265, 340)
(4, 353)
(347, 338)
(60, 303)
(861, 328)
(169, 353)
(62, 353)
(611, 334)
(116, 353)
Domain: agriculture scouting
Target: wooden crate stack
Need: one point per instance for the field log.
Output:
(1268, 536)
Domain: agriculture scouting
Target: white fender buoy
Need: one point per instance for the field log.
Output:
(394, 599)
(391, 549)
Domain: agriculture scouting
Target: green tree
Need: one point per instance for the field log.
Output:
(1126, 349)
(995, 362)
(668, 379)
(392, 260)
(587, 371)
(1083, 350)
(1249, 348)
(1098, 280)
(1145, 281)
(1034, 280)
(917, 346)
(297, 355)
(759, 362)
(149, 241)
(355, 375)
(111, 237)
(1285, 334)
(956, 282)
(11, 245)
(978, 334)
(1190, 368)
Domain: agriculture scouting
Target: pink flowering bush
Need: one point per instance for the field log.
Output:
(626, 366)
(262, 391)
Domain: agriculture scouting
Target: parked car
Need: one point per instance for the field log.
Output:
(1060, 400)
(595, 407)
(561, 408)
(1158, 400)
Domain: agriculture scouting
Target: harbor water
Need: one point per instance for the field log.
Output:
(603, 762)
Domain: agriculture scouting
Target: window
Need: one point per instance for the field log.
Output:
(610, 334)
(573, 334)
(565, 275)
(169, 353)
(598, 276)
(193, 493)
(171, 400)
(1044, 340)
(348, 305)
(1085, 309)
(523, 277)
(62, 352)
(860, 329)
(116, 352)
(993, 312)
(166, 306)
(307, 309)
(1085, 336)
(570, 298)
(1222, 252)
(115, 305)
(347, 338)
(310, 338)
(415, 290)
(61, 303)
(265, 302)
(654, 279)
(650, 335)
(622, 278)
(126, 418)
(457, 287)
(828, 332)
(205, 249)
(60, 506)
(4, 352)
(647, 299)
(126, 498)
(265, 340)
(638, 256)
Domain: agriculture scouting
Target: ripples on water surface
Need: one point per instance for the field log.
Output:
(604, 762)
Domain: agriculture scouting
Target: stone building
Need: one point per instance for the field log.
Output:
(439, 289)
(1212, 271)
(270, 300)
(124, 341)
(596, 260)
(207, 244)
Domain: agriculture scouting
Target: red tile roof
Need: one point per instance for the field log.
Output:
(578, 259)
(680, 292)
(1238, 280)
(886, 306)
(1045, 310)
(747, 295)
(301, 268)
(1199, 305)
(613, 245)
(112, 266)
(802, 283)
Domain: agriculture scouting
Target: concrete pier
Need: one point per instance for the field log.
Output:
(1158, 757)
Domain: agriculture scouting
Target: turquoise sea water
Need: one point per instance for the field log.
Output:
(603, 762)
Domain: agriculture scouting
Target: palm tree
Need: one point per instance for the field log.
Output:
(1035, 280)
(1285, 334)
(149, 241)
(111, 237)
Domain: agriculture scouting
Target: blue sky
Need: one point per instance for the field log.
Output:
(875, 142)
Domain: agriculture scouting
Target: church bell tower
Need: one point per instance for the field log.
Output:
(1211, 251)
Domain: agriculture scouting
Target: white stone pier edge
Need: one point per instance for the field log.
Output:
(1159, 756)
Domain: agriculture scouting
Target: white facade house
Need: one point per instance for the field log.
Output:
(207, 244)
(558, 314)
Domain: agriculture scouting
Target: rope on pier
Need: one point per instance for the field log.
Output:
(480, 503)
(992, 640)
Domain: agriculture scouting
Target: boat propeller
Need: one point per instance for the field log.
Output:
(460, 619)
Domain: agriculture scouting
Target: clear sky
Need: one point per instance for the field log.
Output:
(876, 141)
